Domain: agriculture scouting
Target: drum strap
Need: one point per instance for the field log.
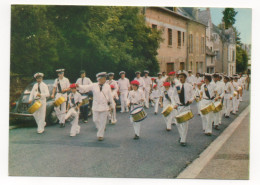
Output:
(182, 95)
(59, 87)
(206, 91)
(167, 96)
(39, 89)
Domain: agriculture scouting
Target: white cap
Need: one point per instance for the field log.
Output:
(60, 70)
(101, 75)
(38, 74)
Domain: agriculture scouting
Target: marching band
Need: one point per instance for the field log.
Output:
(216, 95)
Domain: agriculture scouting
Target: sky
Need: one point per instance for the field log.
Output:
(243, 21)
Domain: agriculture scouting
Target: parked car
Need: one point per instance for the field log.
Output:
(19, 109)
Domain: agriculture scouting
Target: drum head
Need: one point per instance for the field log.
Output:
(136, 110)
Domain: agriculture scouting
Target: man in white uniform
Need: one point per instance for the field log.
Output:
(39, 92)
(228, 96)
(164, 76)
(135, 99)
(60, 87)
(102, 102)
(160, 81)
(112, 114)
(198, 79)
(183, 95)
(111, 81)
(124, 87)
(83, 80)
(191, 79)
(73, 109)
(148, 87)
(235, 98)
(155, 97)
(208, 96)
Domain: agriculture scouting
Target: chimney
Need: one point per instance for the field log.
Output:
(175, 9)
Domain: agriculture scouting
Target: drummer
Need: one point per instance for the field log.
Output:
(111, 81)
(73, 109)
(220, 95)
(172, 79)
(228, 96)
(39, 92)
(102, 102)
(112, 113)
(155, 97)
(147, 87)
(183, 96)
(208, 96)
(83, 80)
(160, 81)
(198, 95)
(61, 87)
(136, 99)
(166, 99)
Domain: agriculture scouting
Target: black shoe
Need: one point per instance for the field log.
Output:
(216, 127)
(226, 116)
(168, 130)
(136, 137)
(109, 121)
(179, 140)
(155, 113)
(183, 144)
(61, 125)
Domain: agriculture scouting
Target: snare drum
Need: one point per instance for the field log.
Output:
(35, 107)
(207, 109)
(59, 101)
(167, 110)
(138, 114)
(85, 101)
(235, 93)
(218, 106)
(197, 99)
(184, 116)
(71, 114)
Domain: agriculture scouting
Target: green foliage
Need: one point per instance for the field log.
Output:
(241, 59)
(44, 38)
(229, 17)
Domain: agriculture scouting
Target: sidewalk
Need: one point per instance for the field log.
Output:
(230, 160)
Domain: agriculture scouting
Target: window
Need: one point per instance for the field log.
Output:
(179, 39)
(190, 43)
(169, 36)
(197, 67)
(191, 65)
(154, 26)
(197, 45)
(182, 66)
(183, 38)
(170, 67)
(233, 55)
(202, 45)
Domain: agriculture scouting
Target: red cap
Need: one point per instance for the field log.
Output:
(112, 86)
(135, 82)
(152, 78)
(73, 86)
(171, 73)
(154, 86)
(165, 84)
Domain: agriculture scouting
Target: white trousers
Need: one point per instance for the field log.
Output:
(227, 104)
(123, 99)
(170, 118)
(100, 119)
(235, 104)
(75, 128)
(183, 127)
(39, 116)
(147, 96)
(198, 107)
(60, 110)
(217, 118)
(207, 119)
(136, 125)
(112, 115)
(156, 104)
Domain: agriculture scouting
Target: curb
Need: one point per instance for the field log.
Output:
(193, 170)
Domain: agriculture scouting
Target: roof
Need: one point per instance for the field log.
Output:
(204, 16)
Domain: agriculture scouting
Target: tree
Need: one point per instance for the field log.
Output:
(241, 59)
(229, 17)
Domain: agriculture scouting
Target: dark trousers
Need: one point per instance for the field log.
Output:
(84, 111)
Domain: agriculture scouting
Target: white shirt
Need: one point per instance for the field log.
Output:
(64, 83)
(100, 98)
(220, 88)
(170, 94)
(123, 84)
(86, 81)
(198, 79)
(191, 80)
(148, 82)
(114, 94)
(211, 89)
(156, 93)
(114, 83)
(228, 90)
(141, 81)
(188, 92)
(159, 82)
(77, 98)
(135, 97)
(44, 92)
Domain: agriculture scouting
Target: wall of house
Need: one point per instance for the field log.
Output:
(171, 56)
(197, 58)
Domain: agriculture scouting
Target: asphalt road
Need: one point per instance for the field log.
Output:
(156, 155)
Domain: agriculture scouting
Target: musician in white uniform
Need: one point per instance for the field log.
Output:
(191, 79)
(198, 78)
(160, 81)
(219, 95)
(75, 100)
(155, 97)
(102, 102)
(172, 79)
(124, 87)
(164, 76)
(112, 113)
(111, 81)
(183, 95)
(235, 99)
(60, 87)
(147, 88)
(198, 96)
(208, 96)
(136, 99)
(241, 83)
(140, 80)
(165, 100)
(228, 96)
(83, 80)
(39, 92)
